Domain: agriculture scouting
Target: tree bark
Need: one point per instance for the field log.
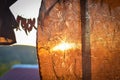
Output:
(94, 24)
(59, 21)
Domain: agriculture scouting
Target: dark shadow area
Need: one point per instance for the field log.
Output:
(86, 53)
(7, 23)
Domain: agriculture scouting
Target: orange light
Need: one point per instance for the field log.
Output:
(64, 46)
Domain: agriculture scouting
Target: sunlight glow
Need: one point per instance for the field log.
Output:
(64, 46)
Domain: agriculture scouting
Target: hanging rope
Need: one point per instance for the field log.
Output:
(26, 24)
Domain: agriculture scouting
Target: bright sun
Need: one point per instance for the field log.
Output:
(64, 46)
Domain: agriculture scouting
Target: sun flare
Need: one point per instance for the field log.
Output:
(63, 46)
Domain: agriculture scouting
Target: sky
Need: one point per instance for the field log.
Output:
(27, 9)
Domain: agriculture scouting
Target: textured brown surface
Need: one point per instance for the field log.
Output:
(105, 40)
(64, 23)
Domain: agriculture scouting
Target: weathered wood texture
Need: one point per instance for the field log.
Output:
(62, 22)
(105, 39)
